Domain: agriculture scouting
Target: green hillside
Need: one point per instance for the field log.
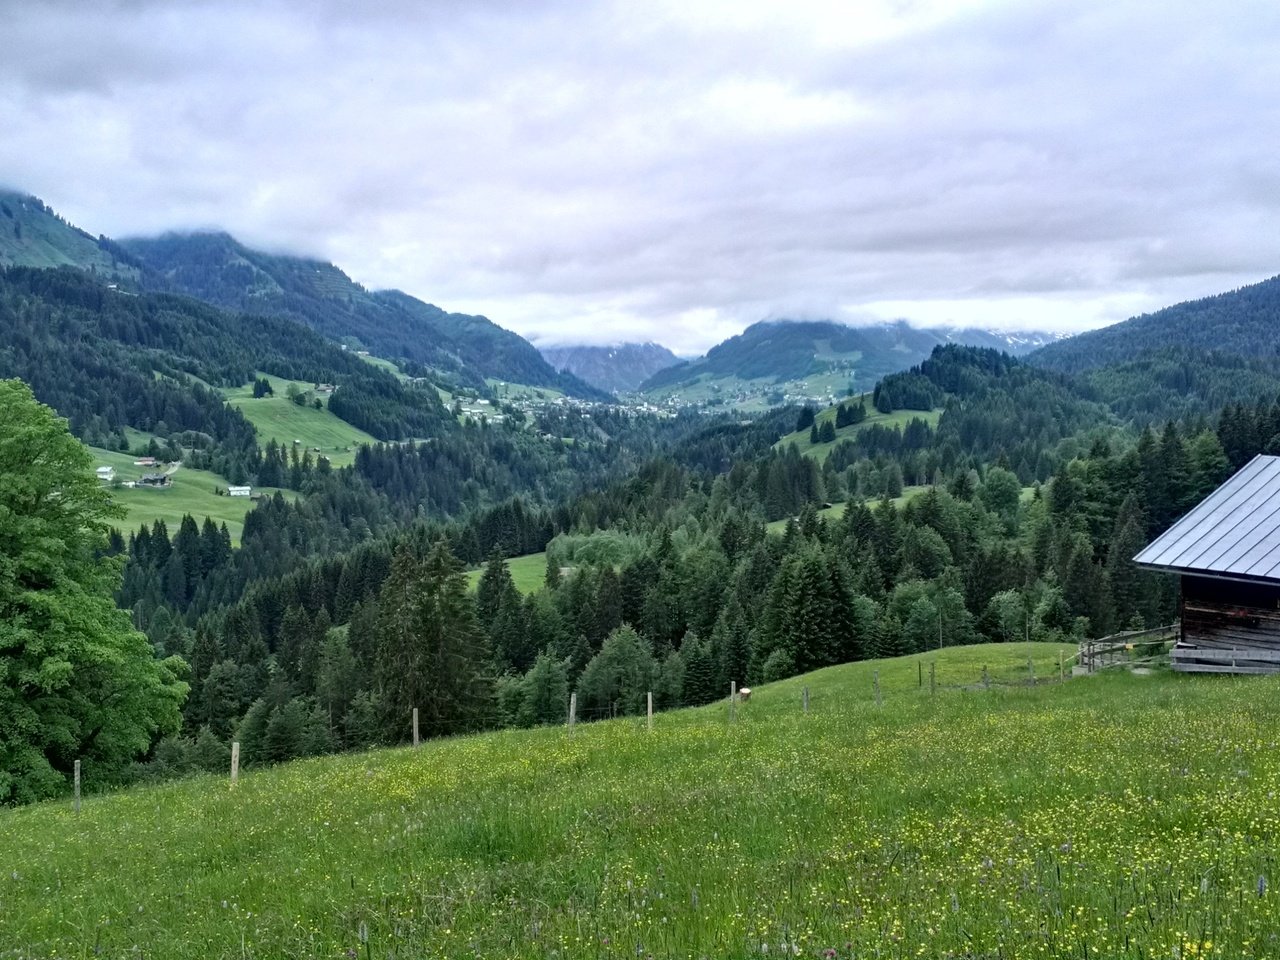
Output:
(1242, 322)
(781, 361)
(216, 268)
(278, 417)
(190, 491)
(836, 510)
(32, 235)
(527, 572)
(898, 418)
(1114, 815)
(749, 395)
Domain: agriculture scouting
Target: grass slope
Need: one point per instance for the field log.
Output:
(836, 510)
(280, 418)
(191, 492)
(750, 395)
(898, 418)
(32, 235)
(527, 572)
(522, 391)
(1111, 816)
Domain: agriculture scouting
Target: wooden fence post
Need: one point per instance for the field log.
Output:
(77, 778)
(573, 711)
(733, 700)
(650, 708)
(235, 762)
(932, 687)
(415, 728)
(986, 678)
(919, 673)
(875, 680)
(804, 699)
(1031, 671)
(1062, 674)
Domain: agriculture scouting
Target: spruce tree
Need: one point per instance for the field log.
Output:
(699, 672)
(284, 733)
(546, 692)
(495, 585)
(432, 655)
(618, 676)
(336, 675)
(210, 754)
(295, 636)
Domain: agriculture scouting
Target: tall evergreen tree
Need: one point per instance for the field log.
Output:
(546, 692)
(432, 652)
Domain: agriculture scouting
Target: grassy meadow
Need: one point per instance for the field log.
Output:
(898, 418)
(191, 491)
(834, 512)
(521, 391)
(1110, 816)
(909, 493)
(280, 418)
(528, 572)
(754, 395)
(386, 365)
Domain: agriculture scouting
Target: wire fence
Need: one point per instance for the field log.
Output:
(1132, 648)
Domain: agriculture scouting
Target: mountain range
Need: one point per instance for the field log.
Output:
(1185, 359)
(217, 269)
(816, 358)
(1243, 322)
(620, 368)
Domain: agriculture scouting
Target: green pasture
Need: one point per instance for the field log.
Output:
(190, 491)
(279, 418)
(898, 418)
(1107, 816)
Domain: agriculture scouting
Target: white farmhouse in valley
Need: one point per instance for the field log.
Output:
(106, 474)
(235, 491)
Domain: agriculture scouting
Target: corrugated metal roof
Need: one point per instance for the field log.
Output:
(1234, 532)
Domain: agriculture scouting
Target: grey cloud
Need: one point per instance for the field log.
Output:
(674, 172)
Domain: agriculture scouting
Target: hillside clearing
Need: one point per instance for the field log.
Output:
(190, 492)
(898, 418)
(1109, 816)
(521, 391)
(837, 510)
(750, 395)
(279, 418)
(527, 572)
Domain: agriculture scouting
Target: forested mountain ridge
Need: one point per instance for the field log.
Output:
(107, 359)
(620, 368)
(217, 268)
(781, 350)
(32, 235)
(1243, 322)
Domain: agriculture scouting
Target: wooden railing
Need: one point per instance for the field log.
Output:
(1130, 648)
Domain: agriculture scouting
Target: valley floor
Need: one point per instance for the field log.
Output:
(1108, 816)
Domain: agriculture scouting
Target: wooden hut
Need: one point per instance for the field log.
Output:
(1227, 552)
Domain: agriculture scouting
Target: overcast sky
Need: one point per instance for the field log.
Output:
(676, 170)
